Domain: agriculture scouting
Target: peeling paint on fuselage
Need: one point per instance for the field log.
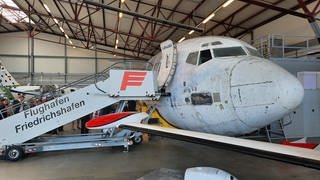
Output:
(243, 108)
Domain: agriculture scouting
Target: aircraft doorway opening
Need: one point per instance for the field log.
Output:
(201, 99)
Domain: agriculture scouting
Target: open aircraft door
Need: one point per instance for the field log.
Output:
(168, 63)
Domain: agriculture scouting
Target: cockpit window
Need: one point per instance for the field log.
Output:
(201, 99)
(229, 51)
(192, 58)
(253, 52)
(205, 56)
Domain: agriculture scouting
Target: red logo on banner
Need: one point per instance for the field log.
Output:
(132, 79)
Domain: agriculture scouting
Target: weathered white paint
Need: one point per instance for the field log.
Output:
(254, 92)
(302, 153)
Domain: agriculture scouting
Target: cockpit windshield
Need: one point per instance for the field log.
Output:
(205, 55)
(253, 52)
(229, 51)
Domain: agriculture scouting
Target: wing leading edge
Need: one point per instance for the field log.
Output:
(299, 156)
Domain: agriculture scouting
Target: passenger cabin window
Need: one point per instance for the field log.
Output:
(216, 43)
(205, 45)
(201, 99)
(229, 51)
(253, 52)
(192, 58)
(205, 56)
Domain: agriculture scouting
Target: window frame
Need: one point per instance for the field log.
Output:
(241, 47)
(211, 53)
(196, 60)
(257, 54)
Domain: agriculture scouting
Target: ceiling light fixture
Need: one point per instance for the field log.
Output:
(192, 31)
(116, 47)
(66, 36)
(47, 8)
(122, 1)
(120, 14)
(55, 20)
(70, 41)
(61, 29)
(227, 3)
(183, 38)
(208, 18)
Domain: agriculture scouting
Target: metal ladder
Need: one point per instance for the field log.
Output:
(275, 131)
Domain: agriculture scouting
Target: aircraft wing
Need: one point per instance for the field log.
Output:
(300, 156)
(29, 90)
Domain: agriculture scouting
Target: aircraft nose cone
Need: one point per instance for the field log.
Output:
(263, 92)
(291, 92)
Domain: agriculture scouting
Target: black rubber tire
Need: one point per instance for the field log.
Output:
(137, 140)
(14, 153)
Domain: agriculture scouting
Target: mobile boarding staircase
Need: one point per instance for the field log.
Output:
(128, 80)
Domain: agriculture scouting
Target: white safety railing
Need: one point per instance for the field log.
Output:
(280, 46)
(91, 79)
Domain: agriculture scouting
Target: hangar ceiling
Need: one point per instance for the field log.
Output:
(135, 28)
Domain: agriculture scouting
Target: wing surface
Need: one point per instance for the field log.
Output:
(300, 156)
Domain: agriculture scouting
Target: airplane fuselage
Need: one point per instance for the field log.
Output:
(214, 91)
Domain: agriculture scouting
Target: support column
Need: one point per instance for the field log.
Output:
(95, 60)
(65, 61)
(31, 65)
(29, 55)
(29, 44)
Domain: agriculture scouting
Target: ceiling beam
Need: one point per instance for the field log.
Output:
(170, 15)
(184, 19)
(61, 13)
(230, 16)
(4, 27)
(120, 48)
(104, 25)
(251, 17)
(139, 43)
(178, 11)
(40, 17)
(132, 22)
(312, 20)
(98, 49)
(271, 19)
(276, 8)
(11, 31)
(84, 24)
(134, 14)
(12, 24)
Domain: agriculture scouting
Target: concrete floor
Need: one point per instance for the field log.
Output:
(112, 163)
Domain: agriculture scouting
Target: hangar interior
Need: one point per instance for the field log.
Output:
(56, 42)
